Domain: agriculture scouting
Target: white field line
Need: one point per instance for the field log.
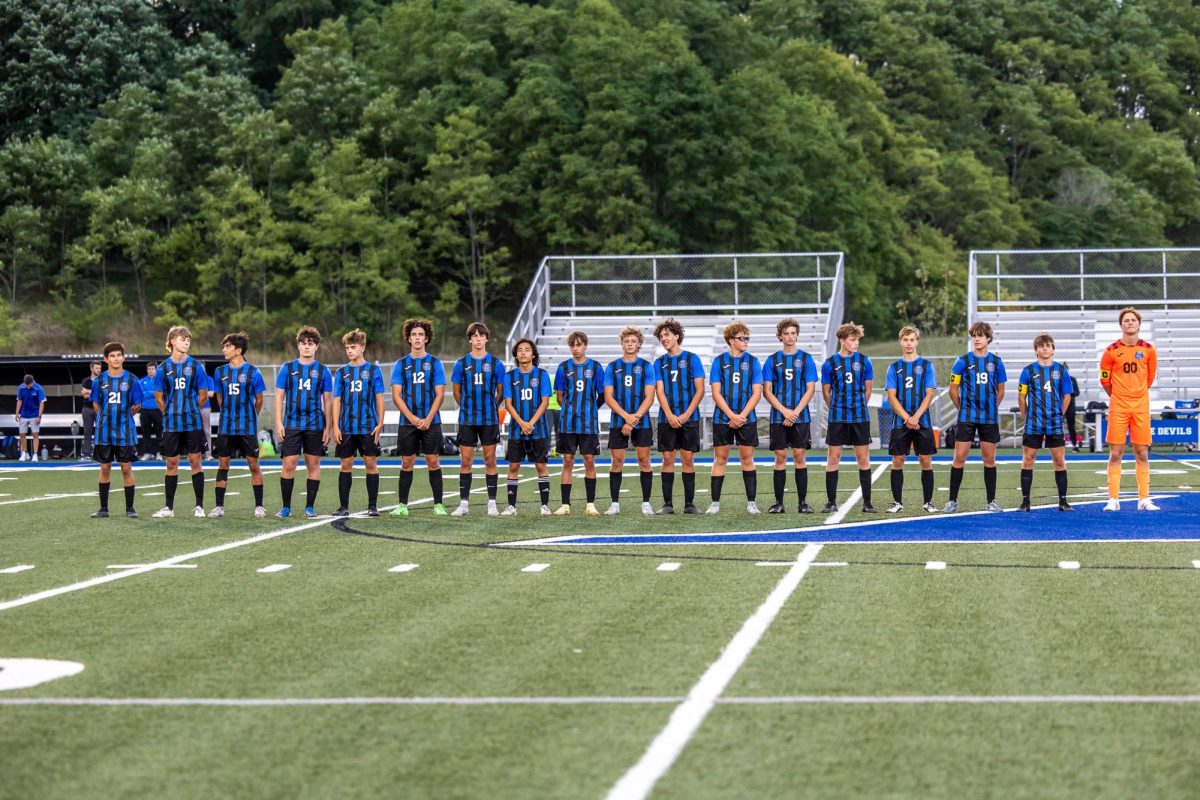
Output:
(688, 716)
(854, 497)
(668, 566)
(275, 568)
(16, 569)
(135, 566)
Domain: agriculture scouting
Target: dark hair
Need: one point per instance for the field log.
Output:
(113, 347)
(412, 324)
(478, 327)
(96, 364)
(533, 346)
(238, 340)
(308, 332)
(981, 329)
(28, 380)
(670, 324)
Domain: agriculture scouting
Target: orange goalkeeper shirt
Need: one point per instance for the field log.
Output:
(1129, 369)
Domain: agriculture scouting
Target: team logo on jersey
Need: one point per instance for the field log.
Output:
(533, 382)
(856, 366)
(1054, 374)
(187, 371)
(366, 373)
(637, 370)
(312, 372)
(486, 367)
(242, 378)
(919, 370)
(587, 373)
(1140, 354)
(991, 367)
(798, 361)
(424, 368)
(124, 386)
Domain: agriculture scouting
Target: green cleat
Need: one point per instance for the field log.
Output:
(399, 511)
(439, 510)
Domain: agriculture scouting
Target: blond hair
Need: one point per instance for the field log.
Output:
(175, 332)
(629, 330)
(848, 329)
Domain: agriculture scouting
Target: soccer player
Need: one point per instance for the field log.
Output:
(679, 384)
(239, 390)
(977, 389)
(1127, 371)
(418, 388)
(31, 402)
(846, 380)
(629, 392)
(478, 385)
(151, 417)
(1043, 396)
(789, 383)
(526, 397)
(736, 380)
(179, 394)
(911, 385)
(116, 397)
(579, 386)
(357, 420)
(303, 419)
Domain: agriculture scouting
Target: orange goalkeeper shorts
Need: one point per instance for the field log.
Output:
(1122, 422)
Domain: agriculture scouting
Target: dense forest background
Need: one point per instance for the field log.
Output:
(258, 163)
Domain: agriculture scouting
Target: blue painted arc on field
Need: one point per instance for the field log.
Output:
(1177, 521)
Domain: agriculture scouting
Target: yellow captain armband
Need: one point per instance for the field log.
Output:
(1104, 374)
(956, 379)
(1023, 389)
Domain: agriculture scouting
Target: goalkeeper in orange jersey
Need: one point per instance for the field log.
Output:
(1127, 371)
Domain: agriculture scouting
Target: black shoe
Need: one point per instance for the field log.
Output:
(691, 510)
(131, 513)
(1063, 505)
(868, 508)
(342, 512)
(1024, 506)
(830, 508)
(665, 510)
(101, 514)
(776, 509)
(805, 508)
(372, 511)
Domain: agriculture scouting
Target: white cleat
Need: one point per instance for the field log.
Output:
(198, 511)
(218, 511)
(930, 508)
(163, 513)
(613, 510)
(510, 511)
(492, 510)
(752, 508)
(34, 458)
(713, 508)
(545, 511)
(647, 509)
(1112, 505)
(1147, 505)
(591, 510)
(24, 456)
(259, 511)
(462, 510)
(895, 508)
(563, 511)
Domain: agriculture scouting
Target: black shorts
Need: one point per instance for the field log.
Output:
(535, 451)
(641, 437)
(1039, 440)
(686, 437)
(905, 439)
(478, 435)
(108, 453)
(588, 444)
(844, 433)
(745, 436)
(410, 440)
(360, 444)
(178, 443)
(988, 432)
(235, 446)
(297, 441)
(797, 436)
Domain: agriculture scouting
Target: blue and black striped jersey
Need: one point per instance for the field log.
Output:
(526, 390)
(629, 380)
(789, 375)
(978, 379)
(582, 387)
(1044, 388)
(737, 378)
(911, 379)
(846, 377)
(114, 397)
(237, 387)
(180, 383)
(418, 379)
(356, 388)
(678, 375)
(478, 379)
(304, 387)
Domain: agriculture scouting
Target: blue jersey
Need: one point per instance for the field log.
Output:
(149, 386)
(910, 379)
(526, 391)
(478, 379)
(237, 387)
(678, 375)
(978, 379)
(357, 389)
(847, 378)
(114, 397)
(180, 383)
(304, 387)
(31, 398)
(1044, 388)
(737, 378)
(789, 375)
(629, 380)
(418, 378)
(582, 387)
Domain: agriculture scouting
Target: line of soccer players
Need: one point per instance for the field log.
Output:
(315, 406)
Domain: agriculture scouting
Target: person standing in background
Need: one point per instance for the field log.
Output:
(31, 402)
(89, 413)
(151, 416)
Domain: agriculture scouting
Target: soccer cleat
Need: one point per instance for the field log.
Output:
(713, 508)
(777, 508)
(590, 510)
(563, 511)
(463, 509)
(805, 508)
(509, 511)
(830, 508)
(259, 511)
(400, 510)
(218, 511)
(613, 510)
(930, 508)
(1113, 504)
(372, 511)
(198, 511)
(993, 506)
(310, 512)
(895, 508)
(667, 509)
(1024, 505)
(647, 510)
(34, 458)
(342, 512)
(492, 510)
(131, 513)
(1147, 504)
(691, 509)
(1063, 505)
(950, 507)
(545, 512)
(752, 508)
(24, 456)
(868, 508)
(282, 513)
(164, 513)
(439, 510)
(101, 514)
